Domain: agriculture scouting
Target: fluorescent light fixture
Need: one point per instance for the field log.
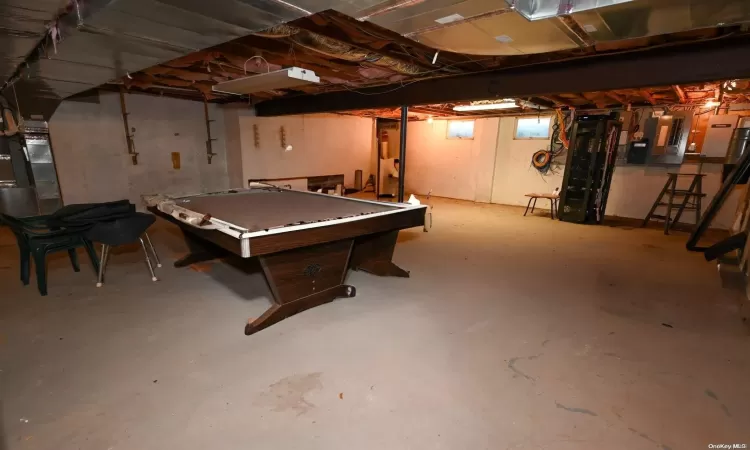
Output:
(449, 19)
(483, 106)
(278, 79)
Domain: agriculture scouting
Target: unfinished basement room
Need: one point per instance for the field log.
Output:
(374, 224)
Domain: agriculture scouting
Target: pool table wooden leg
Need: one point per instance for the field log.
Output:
(200, 251)
(279, 312)
(374, 253)
(303, 278)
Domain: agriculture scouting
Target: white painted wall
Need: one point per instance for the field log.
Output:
(455, 168)
(495, 167)
(322, 145)
(634, 190)
(88, 141)
(514, 175)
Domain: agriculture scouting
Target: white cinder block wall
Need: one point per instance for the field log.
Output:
(88, 141)
(321, 145)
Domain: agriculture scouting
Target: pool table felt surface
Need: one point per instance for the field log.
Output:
(262, 209)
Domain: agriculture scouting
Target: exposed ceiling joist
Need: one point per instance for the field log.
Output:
(557, 101)
(617, 97)
(701, 62)
(647, 96)
(680, 93)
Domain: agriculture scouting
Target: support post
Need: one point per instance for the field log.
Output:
(128, 131)
(209, 140)
(402, 153)
(380, 155)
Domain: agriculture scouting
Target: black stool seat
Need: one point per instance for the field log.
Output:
(121, 231)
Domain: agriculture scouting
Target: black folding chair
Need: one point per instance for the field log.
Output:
(124, 230)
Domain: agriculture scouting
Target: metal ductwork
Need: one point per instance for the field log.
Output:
(546, 9)
(103, 40)
(643, 18)
(515, 27)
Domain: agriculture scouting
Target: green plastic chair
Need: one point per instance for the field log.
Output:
(36, 239)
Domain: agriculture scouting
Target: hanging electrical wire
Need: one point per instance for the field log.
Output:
(545, 160)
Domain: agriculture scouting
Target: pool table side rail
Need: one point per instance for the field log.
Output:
(238, 231)
(262, 186)
(335, 230)
(334, 221)
(247, 244)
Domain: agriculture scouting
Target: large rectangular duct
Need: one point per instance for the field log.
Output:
(545, 9)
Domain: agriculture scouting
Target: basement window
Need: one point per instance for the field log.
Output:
(532, 127)
(460, 129)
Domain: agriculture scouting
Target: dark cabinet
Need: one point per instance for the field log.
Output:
(589, 168)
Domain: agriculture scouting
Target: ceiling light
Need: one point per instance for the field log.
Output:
(278, 79)
(429, 119)
(449, 19)
(711, 104)
(484, 106)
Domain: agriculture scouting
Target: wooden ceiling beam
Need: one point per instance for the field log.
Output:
(281, 50)
(647, 96)
(594, 98)
(436, 112)
(617, 97)
(680, 93)
(377, 35)
(556, 100)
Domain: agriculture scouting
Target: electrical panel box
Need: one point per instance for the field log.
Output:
(667, 136)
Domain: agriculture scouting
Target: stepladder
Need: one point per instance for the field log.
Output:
(678, 199)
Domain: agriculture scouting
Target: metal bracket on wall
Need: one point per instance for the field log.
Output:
(256, 136)
(128, 136)
(209, 141)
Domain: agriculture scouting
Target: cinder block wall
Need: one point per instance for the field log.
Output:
(88, 141)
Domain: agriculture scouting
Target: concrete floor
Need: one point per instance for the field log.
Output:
(512, 333)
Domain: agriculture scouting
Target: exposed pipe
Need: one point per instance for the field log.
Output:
(209, 140)
(128, 137)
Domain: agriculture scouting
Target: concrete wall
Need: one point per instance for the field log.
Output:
(321, 145)
(90, 150)
(456, 168)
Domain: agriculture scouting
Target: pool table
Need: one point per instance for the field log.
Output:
(305, 241)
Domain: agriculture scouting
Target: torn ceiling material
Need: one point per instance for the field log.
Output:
(102, 40)
(23, 25)
(704, 62)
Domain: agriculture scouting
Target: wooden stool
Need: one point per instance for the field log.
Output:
(553, 198)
